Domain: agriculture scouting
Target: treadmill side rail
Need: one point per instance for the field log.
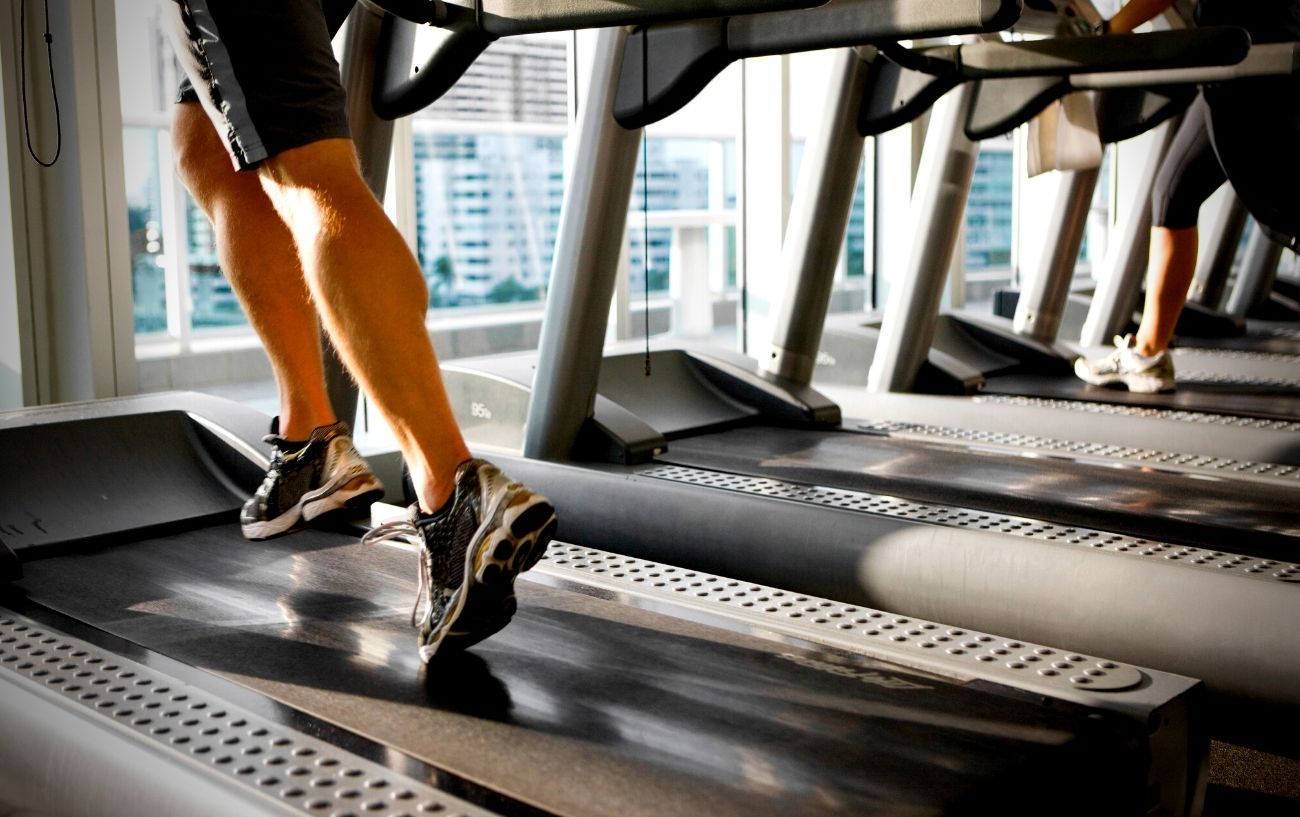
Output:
(139, 750)
(1169, 705)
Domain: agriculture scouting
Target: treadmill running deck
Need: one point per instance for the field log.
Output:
(584, 706)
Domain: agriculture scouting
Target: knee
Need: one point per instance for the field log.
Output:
(1172, 207)
(201, 161)
(318, 187)
(327, 165)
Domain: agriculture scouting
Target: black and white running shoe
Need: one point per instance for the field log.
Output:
(307, 480)
(491, 530)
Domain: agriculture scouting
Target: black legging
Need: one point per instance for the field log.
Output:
(1189, 174)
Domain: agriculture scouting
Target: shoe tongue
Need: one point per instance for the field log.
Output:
(325, 432)
(320, 433)
(285, 445)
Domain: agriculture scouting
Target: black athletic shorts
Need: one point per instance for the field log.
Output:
(264, 71)
(1190, 172)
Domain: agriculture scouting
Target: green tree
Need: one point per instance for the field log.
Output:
(511, 291)
(440, 284)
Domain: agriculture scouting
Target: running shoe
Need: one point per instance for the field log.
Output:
(308, 480)
(1141, 374)
(491, 530)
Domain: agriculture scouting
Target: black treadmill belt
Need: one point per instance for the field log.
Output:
(1247, 400)
(1250, 518)
(583, 706)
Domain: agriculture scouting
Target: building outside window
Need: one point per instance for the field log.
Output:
(989, 210)
(483, 192)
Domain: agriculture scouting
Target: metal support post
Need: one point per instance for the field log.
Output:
(938, 208)
(1258, 272)
(819, 218)
(1220, 250)
(1125, 264)
(1047, 289)
(592, 223)
(689, 282)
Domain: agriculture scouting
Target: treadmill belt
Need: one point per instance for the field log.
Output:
(584, 706)
(1247, 400)
(1062, 491)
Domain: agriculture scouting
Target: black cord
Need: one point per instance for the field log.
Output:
(645, 190)
(744, 222)
(22, 58)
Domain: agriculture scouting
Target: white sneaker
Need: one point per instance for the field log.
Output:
(1144, 375)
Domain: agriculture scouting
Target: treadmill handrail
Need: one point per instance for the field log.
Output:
(667, 66)
(425, 12)
(1266, 59)
(1163, 51)
(474, 24)
(1044, 71)
(507, 18)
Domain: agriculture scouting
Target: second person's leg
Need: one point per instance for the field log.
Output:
(1188, 176)
(1172, 268)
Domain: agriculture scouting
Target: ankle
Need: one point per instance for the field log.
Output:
(434, 487)
(1146, 347)
(300, 425)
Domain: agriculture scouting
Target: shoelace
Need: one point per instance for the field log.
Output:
(268, 481)
(402, 530)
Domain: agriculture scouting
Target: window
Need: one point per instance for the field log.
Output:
(687, 176)
(489, 175)
(479, 190)
(989, 211)
(180, 292)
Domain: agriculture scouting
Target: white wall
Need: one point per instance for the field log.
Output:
(17, 366)
(64, 243)
(11, 354)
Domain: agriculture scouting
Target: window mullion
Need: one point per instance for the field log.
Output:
(175, 229)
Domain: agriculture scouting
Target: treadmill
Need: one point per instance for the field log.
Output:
(153, 662)
(831, 512)
(1022, 358)
(839, 358)
(1254, 317)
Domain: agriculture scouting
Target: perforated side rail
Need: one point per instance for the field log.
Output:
(1109, 409)
(1244, 355)
(927, 645)
(1288, 474)
(191, 726)
(1210, 378)
(950, 516)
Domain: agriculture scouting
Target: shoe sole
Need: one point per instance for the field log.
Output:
(352, 495)
(511, 543)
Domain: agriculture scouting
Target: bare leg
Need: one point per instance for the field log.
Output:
(373, 300)
(258, 255)
(1173, 265)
